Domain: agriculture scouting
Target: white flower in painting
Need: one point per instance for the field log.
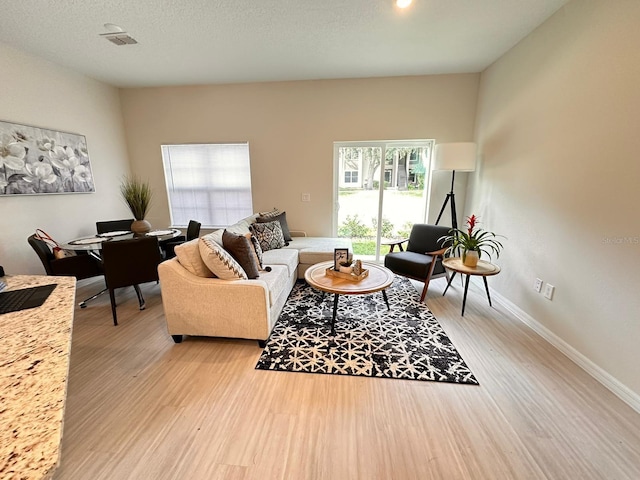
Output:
(82, 174)
(46, 144)
(11, 153)
(64, 158)
(39, 171)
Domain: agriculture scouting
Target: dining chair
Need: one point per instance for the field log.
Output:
(193, 231)
(80, 266)
(130, 263)
(422, 259)
(114, 225)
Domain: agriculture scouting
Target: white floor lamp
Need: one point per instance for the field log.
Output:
(459, 156)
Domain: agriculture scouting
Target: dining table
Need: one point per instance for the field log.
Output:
(93, 244)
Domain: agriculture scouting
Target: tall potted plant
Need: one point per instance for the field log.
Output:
(472, 243)
(137, 195)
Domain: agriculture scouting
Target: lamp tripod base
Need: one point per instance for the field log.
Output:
(450, 196)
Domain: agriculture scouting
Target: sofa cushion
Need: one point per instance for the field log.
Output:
(282, 256)
(277, 280)
(242, 251)
(188, 254)
(282, 218)
(317, 249)
(240, 227)
(268, 234)
(219, 261)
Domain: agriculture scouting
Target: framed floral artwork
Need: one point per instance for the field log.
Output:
(37, 161)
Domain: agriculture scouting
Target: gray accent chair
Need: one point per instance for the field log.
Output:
(422, 259)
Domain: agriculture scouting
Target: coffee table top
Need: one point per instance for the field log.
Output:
(378, 279)
(483, 268)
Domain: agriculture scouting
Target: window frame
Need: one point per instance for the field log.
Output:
(211, 188)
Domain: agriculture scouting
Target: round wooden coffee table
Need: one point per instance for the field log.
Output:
(379, 278)
(483, 269)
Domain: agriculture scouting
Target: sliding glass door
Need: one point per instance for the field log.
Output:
(381, 190)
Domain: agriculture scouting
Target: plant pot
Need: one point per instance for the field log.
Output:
(346, 269)
(140, 227)
(470, 258)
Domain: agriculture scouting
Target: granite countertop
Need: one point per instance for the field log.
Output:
(34, 364)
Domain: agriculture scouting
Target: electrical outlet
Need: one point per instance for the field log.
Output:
(538, 285)
(548, 291)
(306, 197)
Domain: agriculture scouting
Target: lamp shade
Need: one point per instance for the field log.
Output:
(459, 156)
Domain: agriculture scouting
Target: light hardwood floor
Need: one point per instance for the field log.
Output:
(141, 407)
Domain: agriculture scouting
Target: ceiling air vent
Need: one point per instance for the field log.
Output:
(117, 35)
(119, 38)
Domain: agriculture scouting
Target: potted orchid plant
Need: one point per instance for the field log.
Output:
(472, 243)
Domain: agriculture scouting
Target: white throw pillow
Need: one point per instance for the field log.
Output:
(188, 254)
(219, 261)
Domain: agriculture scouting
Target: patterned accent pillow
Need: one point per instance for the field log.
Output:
(282, 218)
(271, 213)
(257, 251)
(269, 235)
(242, 251)
(219, 261)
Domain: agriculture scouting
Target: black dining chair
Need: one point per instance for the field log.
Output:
(130, 263)
(193, 231)
(422, 259)
(114, 225)
(80, 266)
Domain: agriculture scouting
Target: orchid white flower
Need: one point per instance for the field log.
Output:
(11, 152)
(39, 171)
(82, 174)
(46, 144)
(64, 158)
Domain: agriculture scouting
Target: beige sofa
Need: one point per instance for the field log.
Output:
(195, 304)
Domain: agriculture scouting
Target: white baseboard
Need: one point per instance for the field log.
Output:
(610, 382)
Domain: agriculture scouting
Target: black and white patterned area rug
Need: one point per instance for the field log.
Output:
(405, 342)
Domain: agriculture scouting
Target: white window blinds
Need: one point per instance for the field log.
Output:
(210, 183)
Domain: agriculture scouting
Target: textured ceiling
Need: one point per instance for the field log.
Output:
(229, 41)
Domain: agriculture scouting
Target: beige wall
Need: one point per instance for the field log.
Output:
(558, 126)
(291, 127)
(38, 93)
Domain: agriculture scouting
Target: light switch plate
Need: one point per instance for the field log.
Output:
(548, 291)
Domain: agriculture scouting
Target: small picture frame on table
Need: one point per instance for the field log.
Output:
(339, 255)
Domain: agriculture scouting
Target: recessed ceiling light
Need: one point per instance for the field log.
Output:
(403, 3)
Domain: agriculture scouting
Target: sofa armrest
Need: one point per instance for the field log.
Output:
(212, 306)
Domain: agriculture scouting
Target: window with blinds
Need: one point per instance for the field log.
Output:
(210, 183)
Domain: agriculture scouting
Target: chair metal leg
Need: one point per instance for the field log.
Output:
(83, 304)
(140, 298)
